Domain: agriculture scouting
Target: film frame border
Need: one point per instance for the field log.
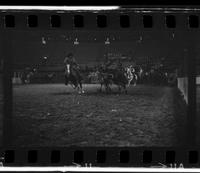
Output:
(70, 155)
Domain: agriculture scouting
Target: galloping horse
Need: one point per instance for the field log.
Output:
(72, 76)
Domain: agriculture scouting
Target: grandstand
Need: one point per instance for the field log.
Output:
(45, 52)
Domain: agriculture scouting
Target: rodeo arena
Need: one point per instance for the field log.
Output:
(97, 93)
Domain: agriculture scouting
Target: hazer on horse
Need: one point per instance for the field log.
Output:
(131, 75)
(72, 74)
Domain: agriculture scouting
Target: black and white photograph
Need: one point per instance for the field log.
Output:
(107, 88)
(98, 89)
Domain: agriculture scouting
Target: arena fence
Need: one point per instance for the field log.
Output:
(183, 87)
(17, 78)
(198, 80)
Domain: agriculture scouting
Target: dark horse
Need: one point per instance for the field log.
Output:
(120, 79)
(105, 80)
(73, 77)
(110, 77)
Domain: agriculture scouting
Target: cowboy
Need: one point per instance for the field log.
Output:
(72, 62)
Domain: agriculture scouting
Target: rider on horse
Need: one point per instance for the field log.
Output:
(72, 62)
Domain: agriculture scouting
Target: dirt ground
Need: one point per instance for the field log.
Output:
(54, 115)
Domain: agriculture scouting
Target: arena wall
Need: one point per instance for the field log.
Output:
(183, 87)
(198, 80)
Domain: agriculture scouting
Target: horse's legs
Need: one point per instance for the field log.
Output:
(136, 79)
(125, 89)
(101, 87)
(73, 86)
(119, 88)
(129, 82)
(81, 87)
(66, 80)
(106, 88)
(110, 90)
(134, 83)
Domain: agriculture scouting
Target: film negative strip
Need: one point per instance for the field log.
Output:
(100, 88)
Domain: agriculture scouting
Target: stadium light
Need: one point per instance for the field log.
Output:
(76, 42)
(43, 40)
(140, 40)
(173, 35)
(107, 41)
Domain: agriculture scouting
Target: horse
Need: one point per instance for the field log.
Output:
(131, 75)
(109, 77)
(72, 76)
(104, 78)
(120, 79)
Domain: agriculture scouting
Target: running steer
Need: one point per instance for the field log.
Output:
(121, 78)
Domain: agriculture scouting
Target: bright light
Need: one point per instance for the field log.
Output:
(140, 40)
(62, 8)
(43, 41)
(173, 35)
(107, 41)
(76, 41)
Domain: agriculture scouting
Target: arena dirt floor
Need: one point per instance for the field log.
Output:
(55, 115)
